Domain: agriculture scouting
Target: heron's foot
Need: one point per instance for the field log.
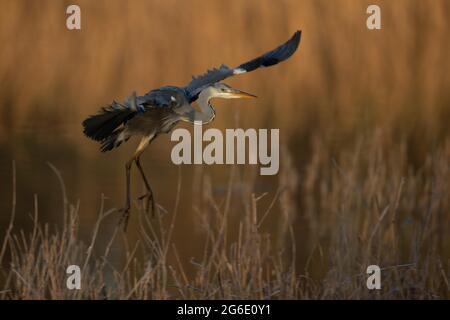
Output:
(149, 203)
(125, 217)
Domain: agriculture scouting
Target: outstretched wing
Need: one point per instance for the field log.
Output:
(268, 59)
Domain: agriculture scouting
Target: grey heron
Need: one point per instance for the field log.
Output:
(159, 110)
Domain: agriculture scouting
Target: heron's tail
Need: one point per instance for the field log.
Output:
(114, 140)
(105, 126)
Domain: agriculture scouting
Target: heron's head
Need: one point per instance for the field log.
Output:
(224, 91)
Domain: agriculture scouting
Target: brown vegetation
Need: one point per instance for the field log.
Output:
(365, 171)
(363, 207)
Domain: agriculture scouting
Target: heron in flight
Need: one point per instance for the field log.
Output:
(159, 110)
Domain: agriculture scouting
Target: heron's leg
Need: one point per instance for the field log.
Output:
(149, 194)
(126, 209)
(142, 145)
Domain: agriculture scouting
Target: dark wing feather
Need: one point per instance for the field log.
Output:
(164, 97)
(110, 118)
(101, 125)
(275, 56)
(268, 59)
(211, 76)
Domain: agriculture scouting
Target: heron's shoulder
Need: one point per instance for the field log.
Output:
(163, 97)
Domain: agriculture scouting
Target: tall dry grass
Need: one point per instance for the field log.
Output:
(358, 208)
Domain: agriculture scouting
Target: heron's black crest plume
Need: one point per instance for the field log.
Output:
(100, 126)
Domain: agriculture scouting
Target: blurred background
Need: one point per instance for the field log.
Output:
(346, 92)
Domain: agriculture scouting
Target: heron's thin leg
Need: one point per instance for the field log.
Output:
(126, 209)
(149, 194)
(142, 145)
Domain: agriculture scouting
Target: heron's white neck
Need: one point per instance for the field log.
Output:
(207, 113)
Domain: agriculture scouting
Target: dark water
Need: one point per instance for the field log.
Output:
(88, 175)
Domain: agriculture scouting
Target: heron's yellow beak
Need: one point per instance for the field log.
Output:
(242, 94)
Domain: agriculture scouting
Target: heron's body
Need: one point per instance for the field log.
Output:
(149, 123)
(159, 110)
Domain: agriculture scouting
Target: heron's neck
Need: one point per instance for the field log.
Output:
(207, 113)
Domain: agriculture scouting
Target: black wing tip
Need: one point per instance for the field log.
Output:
(286, 50)
(296, 38)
